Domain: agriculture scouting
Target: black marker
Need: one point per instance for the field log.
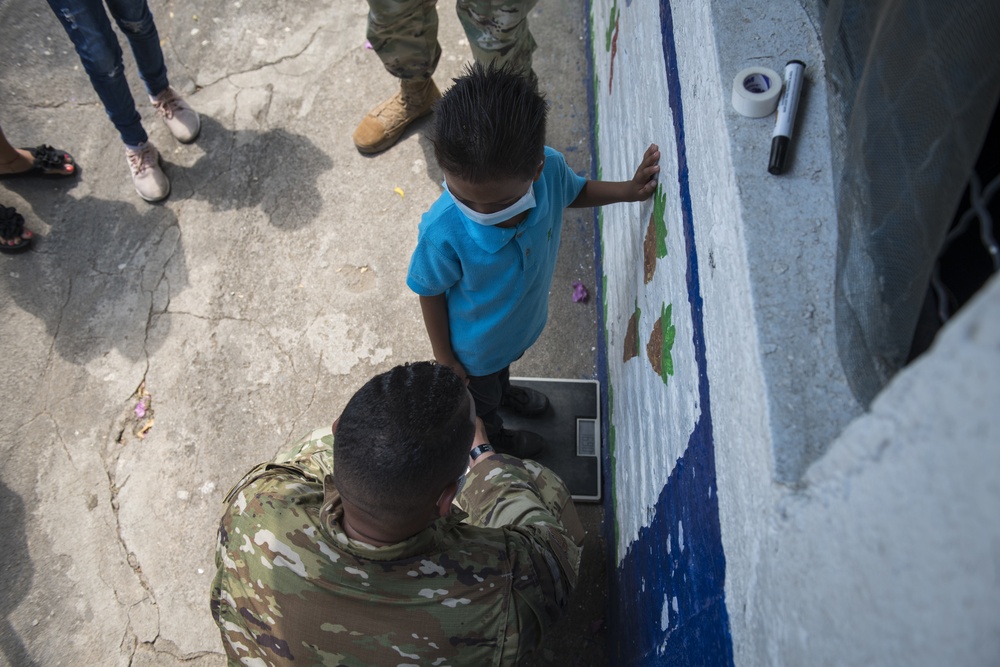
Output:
(787, 107)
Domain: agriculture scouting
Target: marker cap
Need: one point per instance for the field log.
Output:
(779, 152)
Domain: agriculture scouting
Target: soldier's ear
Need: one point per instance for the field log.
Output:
(444, 501)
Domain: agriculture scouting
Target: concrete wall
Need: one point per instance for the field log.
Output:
(758, 517)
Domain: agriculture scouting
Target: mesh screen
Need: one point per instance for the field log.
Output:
(913, 85)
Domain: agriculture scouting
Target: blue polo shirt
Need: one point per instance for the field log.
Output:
(496, 281)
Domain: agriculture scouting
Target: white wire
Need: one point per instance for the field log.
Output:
(979, 199)
(939, 291)
(979, 203)
(971, 213)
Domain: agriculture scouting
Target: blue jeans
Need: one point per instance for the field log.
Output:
(87, 24)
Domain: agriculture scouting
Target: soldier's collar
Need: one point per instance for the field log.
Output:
(426, 541)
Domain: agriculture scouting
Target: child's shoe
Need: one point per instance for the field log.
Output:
(384, 124)
(147, 177)
(182, 121)
(522, 444)
(525, 401)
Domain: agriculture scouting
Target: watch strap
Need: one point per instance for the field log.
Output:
(479, 450)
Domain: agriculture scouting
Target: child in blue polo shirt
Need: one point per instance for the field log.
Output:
(486, 249)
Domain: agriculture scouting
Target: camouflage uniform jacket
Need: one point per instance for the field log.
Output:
(477, 588)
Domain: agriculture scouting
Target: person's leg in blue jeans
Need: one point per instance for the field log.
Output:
(136, 23)
(88, 26)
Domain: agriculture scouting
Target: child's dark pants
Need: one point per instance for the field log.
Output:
(488, 391)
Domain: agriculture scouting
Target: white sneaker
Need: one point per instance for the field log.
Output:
(147, 177)
(182, 121)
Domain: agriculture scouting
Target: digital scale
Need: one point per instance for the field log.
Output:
(571, 426)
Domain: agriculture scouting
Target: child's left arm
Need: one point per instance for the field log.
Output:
(640, 188)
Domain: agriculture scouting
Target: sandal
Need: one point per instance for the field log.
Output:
(12, 227)
(48, 162)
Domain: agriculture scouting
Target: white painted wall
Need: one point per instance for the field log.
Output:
(848, 538)
(645, 408)
(889, 554)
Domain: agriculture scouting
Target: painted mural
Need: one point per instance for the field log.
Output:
(667, 594)
(645, 272)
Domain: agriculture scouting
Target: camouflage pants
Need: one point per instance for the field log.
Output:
(404, 34)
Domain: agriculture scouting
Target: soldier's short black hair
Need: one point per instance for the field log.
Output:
(402, 438)
(490, 125)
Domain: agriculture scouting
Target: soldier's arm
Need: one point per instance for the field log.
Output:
(543, 535)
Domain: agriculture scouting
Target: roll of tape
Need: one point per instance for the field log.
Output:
(756, 91)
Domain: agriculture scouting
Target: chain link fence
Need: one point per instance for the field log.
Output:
(913, 86)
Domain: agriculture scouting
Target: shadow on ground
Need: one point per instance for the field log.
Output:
(16, 572)
(92, 279)
(106, 267)
(275, 170)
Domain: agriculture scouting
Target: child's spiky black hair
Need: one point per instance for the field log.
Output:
(490, 125)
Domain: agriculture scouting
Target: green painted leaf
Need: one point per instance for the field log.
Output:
(611, 454)
(660, 221)
(669, 334)
(604, 290)
(612, 20)
(597, 125)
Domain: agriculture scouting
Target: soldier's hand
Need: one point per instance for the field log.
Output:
(480, 438)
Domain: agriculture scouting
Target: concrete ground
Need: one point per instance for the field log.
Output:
(243, 311)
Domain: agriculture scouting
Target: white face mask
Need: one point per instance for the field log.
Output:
(490, 219)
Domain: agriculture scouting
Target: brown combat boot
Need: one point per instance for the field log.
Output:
(385, 123)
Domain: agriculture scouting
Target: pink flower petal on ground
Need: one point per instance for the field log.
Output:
(368, 44)
(140, 409)
(579, 292)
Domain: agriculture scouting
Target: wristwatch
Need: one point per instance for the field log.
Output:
(479, 450)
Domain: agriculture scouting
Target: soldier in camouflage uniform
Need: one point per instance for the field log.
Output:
(404, 35)
(354, 554)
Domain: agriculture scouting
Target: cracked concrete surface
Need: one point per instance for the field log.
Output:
(242, 312)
